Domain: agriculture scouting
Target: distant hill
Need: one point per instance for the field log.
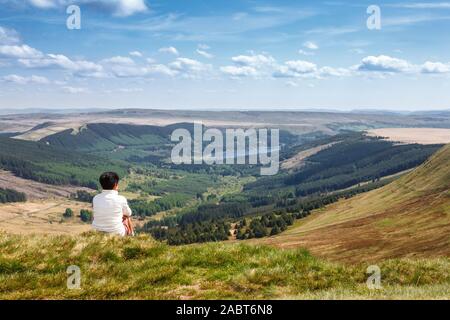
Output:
(107, 136)
(409, 217)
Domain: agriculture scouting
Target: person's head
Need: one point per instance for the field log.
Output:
(109, 181)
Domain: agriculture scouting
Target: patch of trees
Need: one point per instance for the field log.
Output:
(209, 212)
(148, 208)
(83, 196)
(47, 164)
(68, 213)
(10, 195)
(197, 232)
(345, 164)
(86, 215)
(267, 225)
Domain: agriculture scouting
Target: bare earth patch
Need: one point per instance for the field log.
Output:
(42, 217)
(35, 190)
(298, 160)
(413, 135)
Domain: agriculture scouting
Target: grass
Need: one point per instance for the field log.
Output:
(34, 267)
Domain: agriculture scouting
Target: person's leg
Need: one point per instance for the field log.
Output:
(128, 226)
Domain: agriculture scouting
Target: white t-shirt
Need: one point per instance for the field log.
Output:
(109, 209)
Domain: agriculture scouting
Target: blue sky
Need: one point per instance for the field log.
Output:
(225, 54)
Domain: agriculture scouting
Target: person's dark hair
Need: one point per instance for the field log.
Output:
(108, 180)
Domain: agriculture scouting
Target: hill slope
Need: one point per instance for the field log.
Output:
(409, 217)
(139, 268)
(52, 165)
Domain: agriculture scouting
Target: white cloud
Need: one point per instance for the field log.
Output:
(119, 60)
(161, 70)
(257, 61)
(78, 67)
(170, 50)
(305, 53)
(121, 8)
(13, 78)
(203, 46)
(255, 65)
(19, 52)
(74, 90)
(384, 63)
(137, 54)
(239, 71)
(333, 72)
(189, 67)
(205, 54)
(8, 36)
(311, 45)
(435, 67)
(295, 68)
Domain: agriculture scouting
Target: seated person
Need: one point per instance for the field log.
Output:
(111, 211)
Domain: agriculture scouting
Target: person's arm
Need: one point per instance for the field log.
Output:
(126, 209)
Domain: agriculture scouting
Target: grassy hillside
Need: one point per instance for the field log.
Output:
(409, 217)
(48, 164)
(139, 268)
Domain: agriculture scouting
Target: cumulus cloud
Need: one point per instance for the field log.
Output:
(239, 71)
(255, 65)
(161, 69)
(8, 36)
(119, 60)
(19, 52)
(170, 50)
(384, 63)
(78, 67)
(256, 60)
(310, 45)
(16, 79)
(435, 67)
(121, 8)
(137, 54)
(190, 67)
(205, 54)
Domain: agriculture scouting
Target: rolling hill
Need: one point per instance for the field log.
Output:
(53, 165)
(408, 218)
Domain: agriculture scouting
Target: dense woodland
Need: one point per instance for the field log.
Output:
(9, 195)
(43, 163)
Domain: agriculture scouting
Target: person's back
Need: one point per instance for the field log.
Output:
(110, 209)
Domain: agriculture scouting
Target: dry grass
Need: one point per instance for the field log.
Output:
(42, 217)
(34, 267)
(413, 135)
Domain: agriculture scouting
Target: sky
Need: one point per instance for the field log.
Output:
(225, 54)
